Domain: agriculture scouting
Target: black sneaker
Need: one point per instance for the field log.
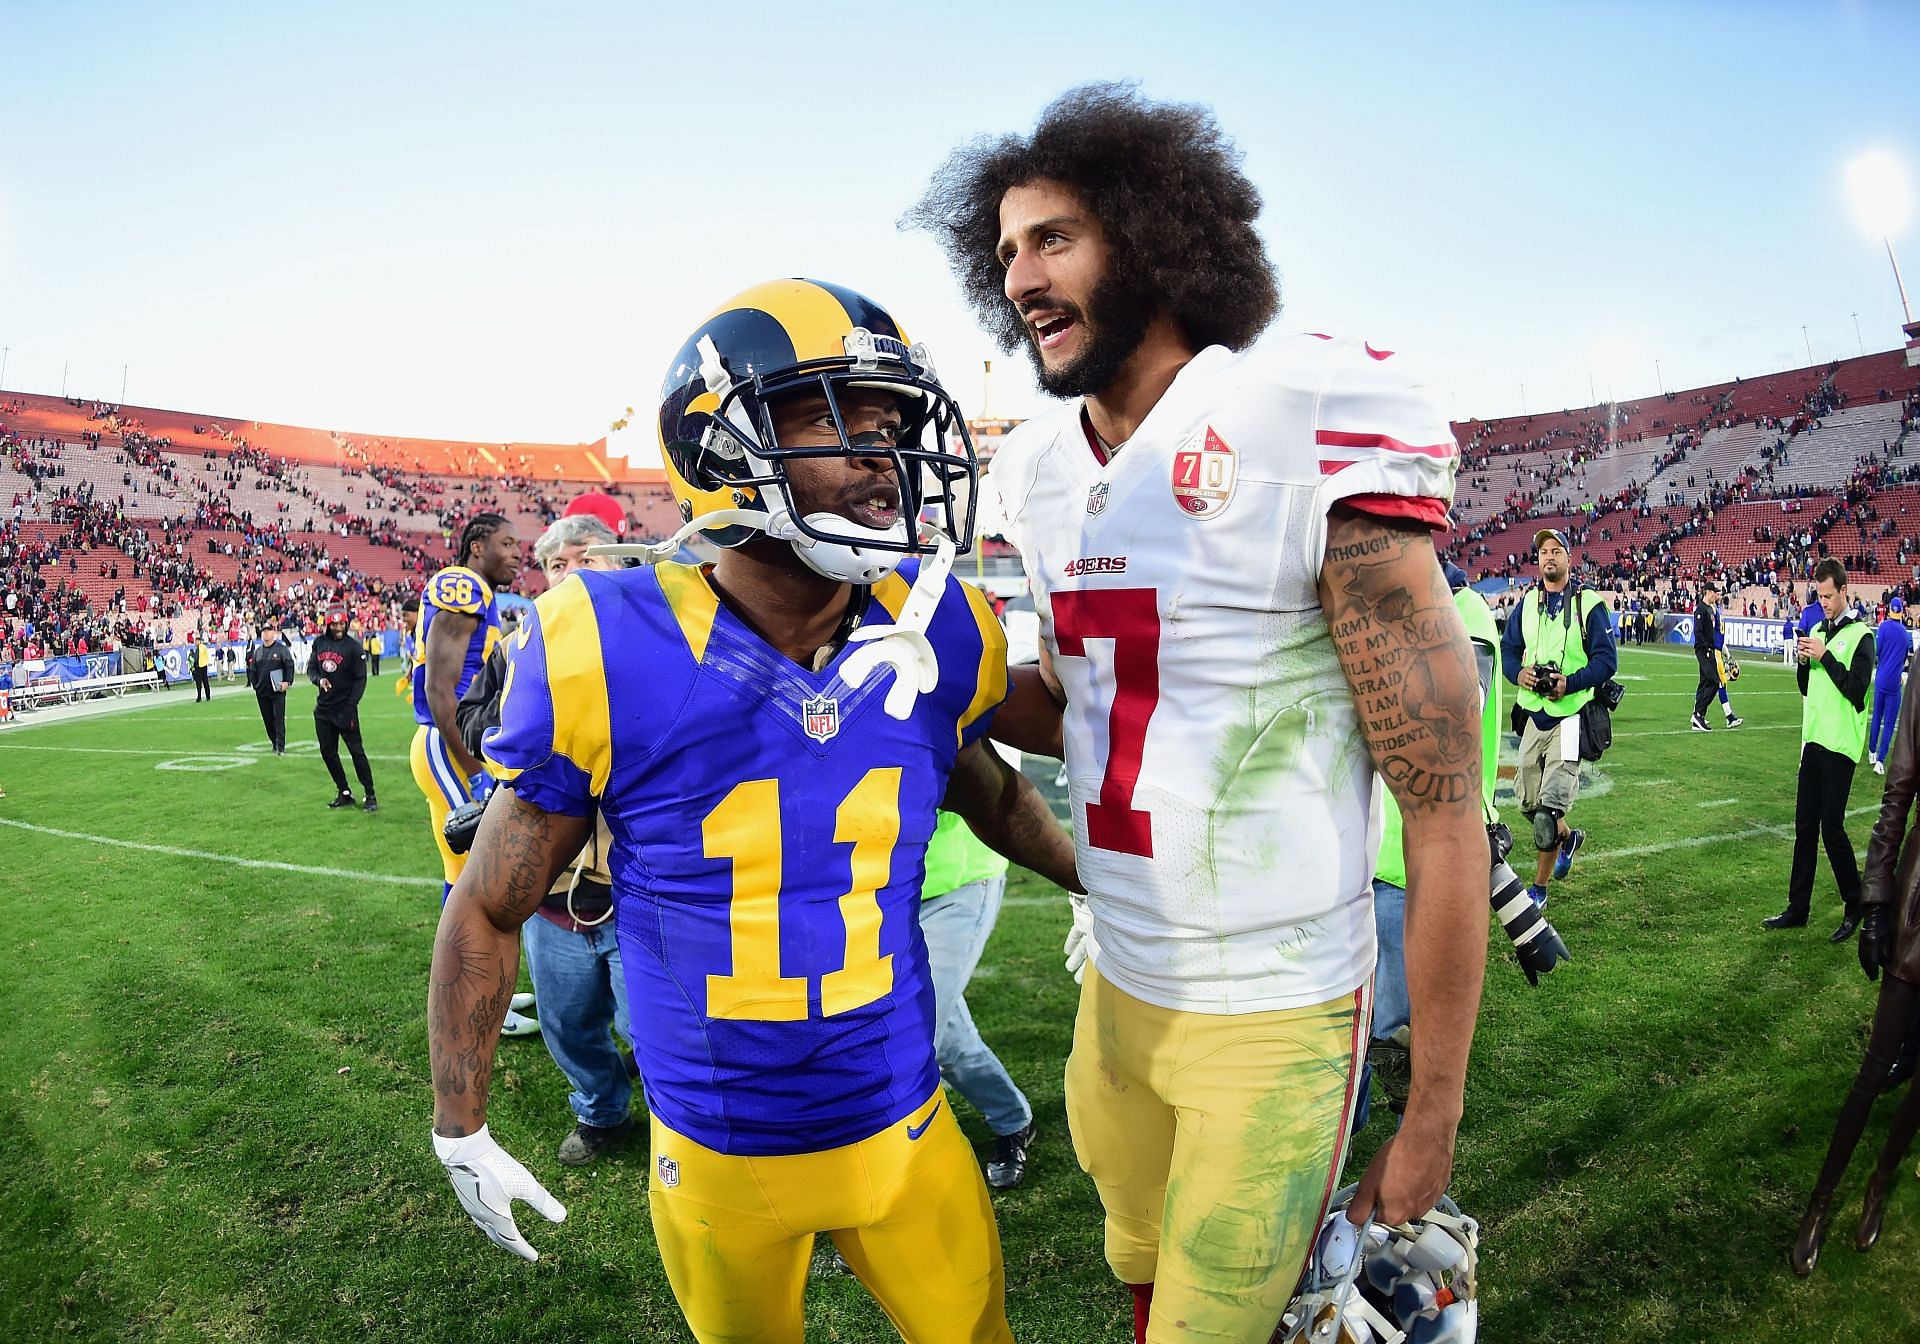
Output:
(344, 800)
(1700, 725)
(1008, 1165)
(1392, 1072)
(588, 1142)
(371, 805)
(1734, 720)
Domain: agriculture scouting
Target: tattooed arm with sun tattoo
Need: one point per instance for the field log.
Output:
(1411, 670)
(518, 852)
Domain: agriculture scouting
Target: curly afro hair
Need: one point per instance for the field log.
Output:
(1166, 186)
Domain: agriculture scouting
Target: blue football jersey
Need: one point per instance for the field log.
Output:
(769, 830)
(455, 588)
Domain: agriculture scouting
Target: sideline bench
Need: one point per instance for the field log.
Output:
(39, 693)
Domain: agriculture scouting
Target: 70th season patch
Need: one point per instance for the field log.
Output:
(1204, 472)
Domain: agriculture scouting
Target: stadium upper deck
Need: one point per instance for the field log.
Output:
(1740, 479)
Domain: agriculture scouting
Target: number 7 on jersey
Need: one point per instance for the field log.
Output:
(1130, 617)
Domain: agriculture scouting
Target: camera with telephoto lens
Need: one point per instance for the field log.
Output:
(462, 824)
(1535, 942)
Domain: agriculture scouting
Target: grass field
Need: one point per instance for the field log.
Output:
(213, 1067)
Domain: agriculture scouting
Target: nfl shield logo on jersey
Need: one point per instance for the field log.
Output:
(1204, 472)
(820, 716)
(669, 1172)
(1097, 497)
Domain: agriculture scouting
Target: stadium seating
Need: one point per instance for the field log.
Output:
(1655, 492)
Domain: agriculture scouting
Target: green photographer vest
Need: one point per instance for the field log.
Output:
(1828, 717)
(1478, 617)
(1561, 640)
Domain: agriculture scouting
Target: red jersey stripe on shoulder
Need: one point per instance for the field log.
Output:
(1412, 508)
(1340, 438)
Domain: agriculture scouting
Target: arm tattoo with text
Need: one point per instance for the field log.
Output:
(511, 869)
(1406, 657)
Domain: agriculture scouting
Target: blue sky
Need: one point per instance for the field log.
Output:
(499, 221)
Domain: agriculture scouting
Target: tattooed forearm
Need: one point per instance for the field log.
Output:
(1406, 657)
(1411, 669)
(1009, 815)
(476, 952)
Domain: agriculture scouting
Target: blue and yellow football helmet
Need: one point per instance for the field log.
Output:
(788, 337)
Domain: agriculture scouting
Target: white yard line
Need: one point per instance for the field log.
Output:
(177, 752)
(175, 852)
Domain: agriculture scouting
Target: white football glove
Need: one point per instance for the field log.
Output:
(1081, 949)
(487, 1178)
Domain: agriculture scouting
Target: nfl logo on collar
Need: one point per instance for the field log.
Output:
(820, 716)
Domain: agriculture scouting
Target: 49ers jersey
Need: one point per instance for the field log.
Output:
(1216, 770)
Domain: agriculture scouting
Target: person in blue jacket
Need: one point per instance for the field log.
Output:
(1892, 642)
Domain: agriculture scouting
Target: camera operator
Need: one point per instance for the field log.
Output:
(1558, 652)
(1836, 674)
(571, 952)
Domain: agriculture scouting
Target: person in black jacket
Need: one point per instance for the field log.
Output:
(337, 664)
(270, 672)
(1709, 639)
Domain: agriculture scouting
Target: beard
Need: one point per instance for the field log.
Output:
(1118, 313)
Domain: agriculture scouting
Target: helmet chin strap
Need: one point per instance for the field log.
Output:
(660, 552)
(902, 646)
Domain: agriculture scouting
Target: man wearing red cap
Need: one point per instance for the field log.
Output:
(595, 504)
(338, 666)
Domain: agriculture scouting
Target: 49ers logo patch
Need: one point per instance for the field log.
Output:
(1204, 472)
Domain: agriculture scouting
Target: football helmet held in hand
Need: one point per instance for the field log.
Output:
(1374, 1284)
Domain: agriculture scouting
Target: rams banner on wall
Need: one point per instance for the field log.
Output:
(63, 670)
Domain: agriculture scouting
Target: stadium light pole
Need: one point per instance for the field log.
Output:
(1804, 337)
(1658, 379)
(5, 350)
(1856, 334)
(1882, 201)
(123, 384)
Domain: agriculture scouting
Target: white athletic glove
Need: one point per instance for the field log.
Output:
(488, 1179)
(1082, 951)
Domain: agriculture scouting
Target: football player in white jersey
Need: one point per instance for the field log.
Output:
(1242, 618)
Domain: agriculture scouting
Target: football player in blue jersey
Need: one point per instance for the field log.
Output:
(459, 625)
(767, 740)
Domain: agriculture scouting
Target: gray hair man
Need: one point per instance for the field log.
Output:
(562, 548)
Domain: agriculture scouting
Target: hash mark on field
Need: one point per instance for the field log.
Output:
(1648, 783)
(1718, 802)
(309, 870)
